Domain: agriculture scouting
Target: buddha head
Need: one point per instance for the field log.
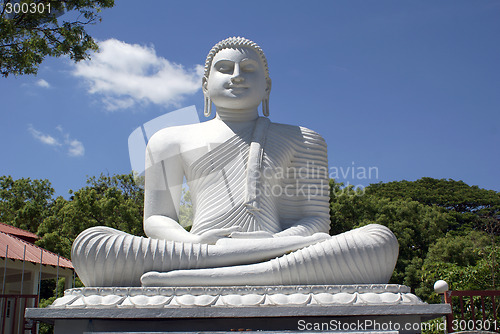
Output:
(236, 76)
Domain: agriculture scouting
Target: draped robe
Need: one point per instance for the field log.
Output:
(259, 180)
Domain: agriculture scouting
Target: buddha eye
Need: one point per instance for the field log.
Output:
(248, 65)
(224, 68)
(248, 68)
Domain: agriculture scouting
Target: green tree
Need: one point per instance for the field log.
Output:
(113, 201)
(471, 206)
(415, 225)
(466, 262)
(24, 203)
(446, 229)
(30, 30)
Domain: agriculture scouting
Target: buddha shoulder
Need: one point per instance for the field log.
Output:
(296, 134)
(174, 137)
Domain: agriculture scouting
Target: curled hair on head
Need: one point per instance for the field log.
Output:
(235, 42)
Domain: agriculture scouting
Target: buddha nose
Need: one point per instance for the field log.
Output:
(236, 77)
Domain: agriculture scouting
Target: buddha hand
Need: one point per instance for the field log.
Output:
(212, 236)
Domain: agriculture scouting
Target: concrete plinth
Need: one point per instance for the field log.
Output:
(361, 308)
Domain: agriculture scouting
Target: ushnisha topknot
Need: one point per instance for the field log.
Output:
(235, 42)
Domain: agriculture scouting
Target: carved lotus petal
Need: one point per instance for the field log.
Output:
(149, 301)
(346, 298)
(338, 298)
(92, 300)
(293, 299)
(190, 300)
(102, 301)
(63, 301)
(324, 298)
(245, 300)
(370, 298)
(79, 303)
(111, 300)
(390, 298)
(410, 298)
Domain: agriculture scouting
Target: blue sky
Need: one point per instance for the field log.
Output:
(406, 88)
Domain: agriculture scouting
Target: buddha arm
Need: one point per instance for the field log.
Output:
(305, 209)
(163, 184)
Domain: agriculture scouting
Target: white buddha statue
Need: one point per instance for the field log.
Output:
(260, 198)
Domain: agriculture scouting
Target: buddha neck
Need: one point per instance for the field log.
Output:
(237, 115)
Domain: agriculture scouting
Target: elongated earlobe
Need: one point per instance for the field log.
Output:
(207, 109)
(265, 107)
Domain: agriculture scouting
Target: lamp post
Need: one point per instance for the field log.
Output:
(441, 287)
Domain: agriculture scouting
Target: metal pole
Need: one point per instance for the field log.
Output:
(22, 275)
(13, 323)
(20, 322)
(57, 276)
(5, 269)
(40, 275)
(5, 300)
(449, 317)
(21, 316)
(444, 319)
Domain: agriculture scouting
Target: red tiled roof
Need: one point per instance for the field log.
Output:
(16, 251)
(17, 231)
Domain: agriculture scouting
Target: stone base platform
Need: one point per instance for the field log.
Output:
(384, 308)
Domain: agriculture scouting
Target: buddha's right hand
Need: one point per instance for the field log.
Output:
(212, 236)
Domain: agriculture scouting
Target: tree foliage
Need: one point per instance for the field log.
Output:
(114, 201)
(415, 225)
(465, 262)
(34, 29)
(24, 203)
(471, 206)
(445, 228)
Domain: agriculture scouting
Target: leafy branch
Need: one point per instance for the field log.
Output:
(26, 38)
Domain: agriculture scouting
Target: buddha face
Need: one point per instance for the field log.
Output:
(237, 79)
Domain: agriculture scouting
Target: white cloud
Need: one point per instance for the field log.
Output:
(124, 75)
(112, 103)
(42, 83)
(43, 138)
(76, 148)
(73, 147)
